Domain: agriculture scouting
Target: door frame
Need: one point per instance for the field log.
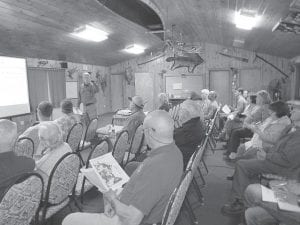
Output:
(230, 81)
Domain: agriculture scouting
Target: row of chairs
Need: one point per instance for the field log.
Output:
(80, 139)
(179, 198)
(62, 181)
(29, 200)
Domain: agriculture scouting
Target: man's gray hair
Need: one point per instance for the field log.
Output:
(51, 134)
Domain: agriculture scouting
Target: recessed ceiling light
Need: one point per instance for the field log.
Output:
(90, 33)
(246, 19)
(134, 49)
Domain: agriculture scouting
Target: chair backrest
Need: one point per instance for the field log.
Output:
(121, 146)
(24, 146)
(101, 148)
(22, 199)
(137, 140)
(176, 199)
(74, 136)
(90, 131)
(62, 178)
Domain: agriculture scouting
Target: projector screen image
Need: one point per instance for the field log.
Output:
(14, 97)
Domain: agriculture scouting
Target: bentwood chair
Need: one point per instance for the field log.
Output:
(22, 199)
(61, 186)
(121, 146)
(89, 135)
(24, 147)
(74, 136)
(135, 145)
(103, 147)
(177, 200)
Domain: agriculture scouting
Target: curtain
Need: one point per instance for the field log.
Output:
(46, 85)
(37, 87)
(57, 86)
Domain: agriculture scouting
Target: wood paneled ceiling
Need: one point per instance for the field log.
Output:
(41, 28)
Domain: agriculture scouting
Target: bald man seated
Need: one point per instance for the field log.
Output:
(53, 149)
(11, 166)
(146, 195)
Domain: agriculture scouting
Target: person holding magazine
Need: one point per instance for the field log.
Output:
(145, 196)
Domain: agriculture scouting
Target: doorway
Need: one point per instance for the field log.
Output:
(220, 81)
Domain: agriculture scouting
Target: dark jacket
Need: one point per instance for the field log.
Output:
(188, 137)
(165, 107)
(10, 167)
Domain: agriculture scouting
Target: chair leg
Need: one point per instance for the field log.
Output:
(205, 166)
(198, 191)
(201, 177)
(190, 211)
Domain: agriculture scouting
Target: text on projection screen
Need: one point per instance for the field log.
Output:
(14, 98)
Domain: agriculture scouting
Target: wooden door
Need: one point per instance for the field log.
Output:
(144, 87)
(250, 79)
(219, 81)
(117, 92)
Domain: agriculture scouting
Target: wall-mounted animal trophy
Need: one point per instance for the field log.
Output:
(102, 78)
(129, 75)
(186, 59)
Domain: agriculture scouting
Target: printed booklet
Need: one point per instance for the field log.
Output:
(106, 173)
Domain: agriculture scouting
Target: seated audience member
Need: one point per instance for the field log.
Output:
(235, 120)
(137, 116)
(265, 213)
(238, 119)
(11, 166)
(241, 101)
(258, 115)
(245, 94)
(191, 132)
(213, 105)
(205, 101)
(146, 195)
(196, 100)
(240, 106)
(283, 160)
(163, 102)
(267, 133)
(44, 113)
(68, 119)
(54, 148)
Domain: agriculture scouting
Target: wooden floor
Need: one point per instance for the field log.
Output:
(216, 192)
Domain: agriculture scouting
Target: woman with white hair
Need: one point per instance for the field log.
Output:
(191, 131)
(54, 148)
(163, 102)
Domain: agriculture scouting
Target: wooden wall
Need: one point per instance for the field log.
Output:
(213, 61)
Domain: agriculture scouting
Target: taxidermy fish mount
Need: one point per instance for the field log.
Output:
(188, 60)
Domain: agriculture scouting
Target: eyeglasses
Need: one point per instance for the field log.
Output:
(147, 128)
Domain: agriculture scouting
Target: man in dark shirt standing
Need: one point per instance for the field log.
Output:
(87, 97)
(11, 165)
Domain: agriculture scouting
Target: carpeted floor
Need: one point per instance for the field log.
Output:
(215, 192)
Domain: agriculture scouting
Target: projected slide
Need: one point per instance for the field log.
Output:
(14, 97)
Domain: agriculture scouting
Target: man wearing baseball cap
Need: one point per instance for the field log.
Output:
(137, 117)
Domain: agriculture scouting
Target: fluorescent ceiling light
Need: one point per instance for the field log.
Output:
(134, 49)
(90, 33)
(245, 19)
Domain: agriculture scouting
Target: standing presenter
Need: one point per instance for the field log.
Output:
(87, 96)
